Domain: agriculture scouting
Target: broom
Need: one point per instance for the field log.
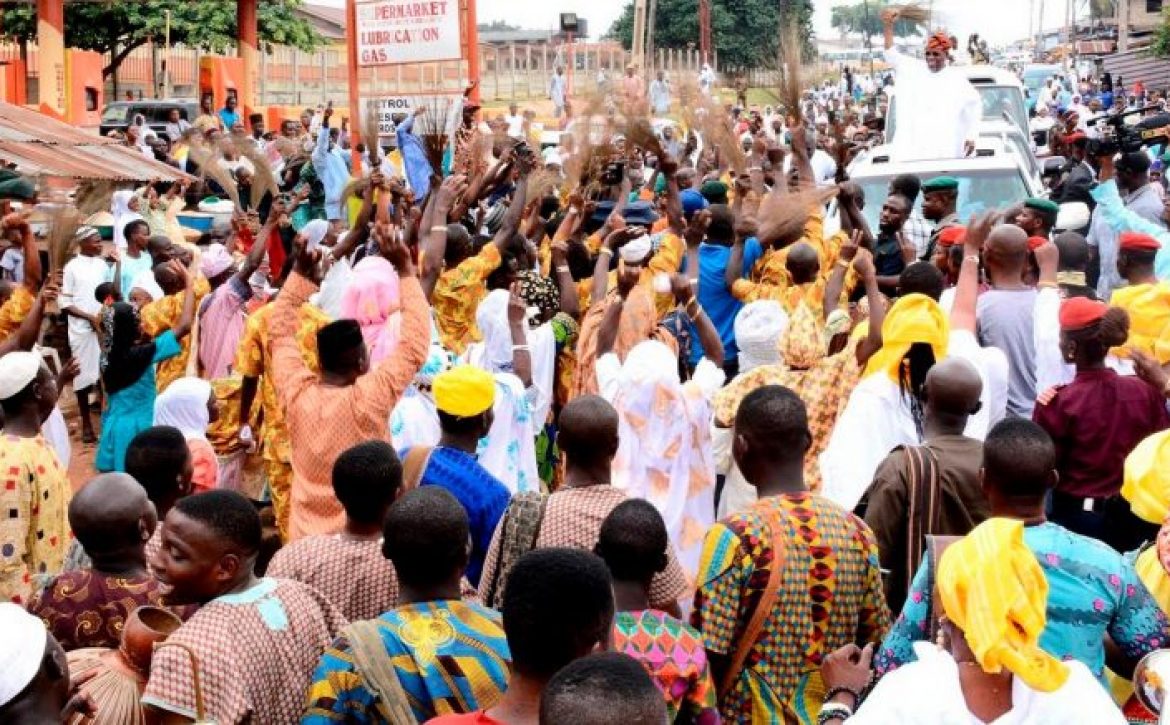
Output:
(911, 13)
(791, 60)
(211, 168)
(263, 180)
(782, 218)
(64, 221)
(431, 127)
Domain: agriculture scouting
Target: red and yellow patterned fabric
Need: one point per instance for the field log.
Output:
(34, 525)
(160, 316)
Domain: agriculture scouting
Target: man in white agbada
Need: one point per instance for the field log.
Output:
(937, 107)
(83, 274)
(660, 95)
(558, 91)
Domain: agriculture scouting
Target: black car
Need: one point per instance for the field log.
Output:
(119, 114)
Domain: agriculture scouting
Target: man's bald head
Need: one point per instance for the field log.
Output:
(111, 514)
(588, 430)
(802, 263)
(953, 387)
(1006, 250)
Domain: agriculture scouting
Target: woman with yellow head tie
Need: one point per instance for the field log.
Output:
(987, 665)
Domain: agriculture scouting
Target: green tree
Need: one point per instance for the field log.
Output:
(744, 33)
(118, 28)
(1160, 45)
(866, 20)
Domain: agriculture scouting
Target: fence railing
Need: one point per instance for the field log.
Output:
(291, 77)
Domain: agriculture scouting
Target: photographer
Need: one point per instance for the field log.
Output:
(1139, 211)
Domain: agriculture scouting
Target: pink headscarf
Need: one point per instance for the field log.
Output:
(372, 300)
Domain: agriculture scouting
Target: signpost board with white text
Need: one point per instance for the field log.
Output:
(392, 32)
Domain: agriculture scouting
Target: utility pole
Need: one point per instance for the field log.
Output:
(650, 17)
(638, 50)
(705, 30)
(1122, 26)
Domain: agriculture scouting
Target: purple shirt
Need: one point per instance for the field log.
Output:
(1095, 421)
(221, 325)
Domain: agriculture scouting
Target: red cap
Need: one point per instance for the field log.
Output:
(1079, 312)
(950, 236)
(1138, 242)
(1035, 243)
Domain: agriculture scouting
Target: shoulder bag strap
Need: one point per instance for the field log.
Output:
(373, 666)
(763, 607)
(414, 466)
(519, 530)
(924, 504)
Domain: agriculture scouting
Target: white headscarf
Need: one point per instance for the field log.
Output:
(123, 215)
(22, 648)
(664, 451)
(758, 329)
(183, 405)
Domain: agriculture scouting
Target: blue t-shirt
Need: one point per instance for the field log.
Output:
(482, 495)
(716, 298)
(229, 118)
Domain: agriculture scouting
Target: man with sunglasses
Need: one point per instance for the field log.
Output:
(937, 107)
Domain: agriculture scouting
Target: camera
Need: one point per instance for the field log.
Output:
(614, 173)
(1119, 137)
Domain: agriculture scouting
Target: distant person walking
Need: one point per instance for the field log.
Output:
(558, 91)
(660, 95)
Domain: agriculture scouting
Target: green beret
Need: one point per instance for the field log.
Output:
(714, 192)
(940, 183)
(1043, 205)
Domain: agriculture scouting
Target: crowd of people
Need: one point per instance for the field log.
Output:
(628, 431)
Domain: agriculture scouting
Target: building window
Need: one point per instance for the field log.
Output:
(1153, 6)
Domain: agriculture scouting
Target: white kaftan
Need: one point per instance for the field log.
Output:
(935, 113)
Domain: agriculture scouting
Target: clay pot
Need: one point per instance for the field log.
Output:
(145, 627)
(121, 674)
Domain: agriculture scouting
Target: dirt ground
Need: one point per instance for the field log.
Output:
(81, 460)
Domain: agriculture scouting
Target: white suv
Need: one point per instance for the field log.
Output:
(994, 178)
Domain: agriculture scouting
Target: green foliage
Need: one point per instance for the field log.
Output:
(865, 20)
(120, 27)
(744, 33)
(1160, 45)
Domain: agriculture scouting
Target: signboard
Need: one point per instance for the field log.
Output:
(394, 109)
(391, 32)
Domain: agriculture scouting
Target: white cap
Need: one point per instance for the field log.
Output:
(636, 250)
(17, 370)
(22, 648)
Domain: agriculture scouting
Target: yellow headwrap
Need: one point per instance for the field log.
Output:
(464, 391)
(992, 588)
(913, 318)
(1148, 306)
(1147, 478)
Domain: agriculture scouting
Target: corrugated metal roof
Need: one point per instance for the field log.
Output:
(1138, 65)
(21, 124)
(42, 146)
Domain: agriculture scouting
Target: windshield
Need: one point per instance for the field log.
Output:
(979, 191)
(1000, 100)
(114, 113)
